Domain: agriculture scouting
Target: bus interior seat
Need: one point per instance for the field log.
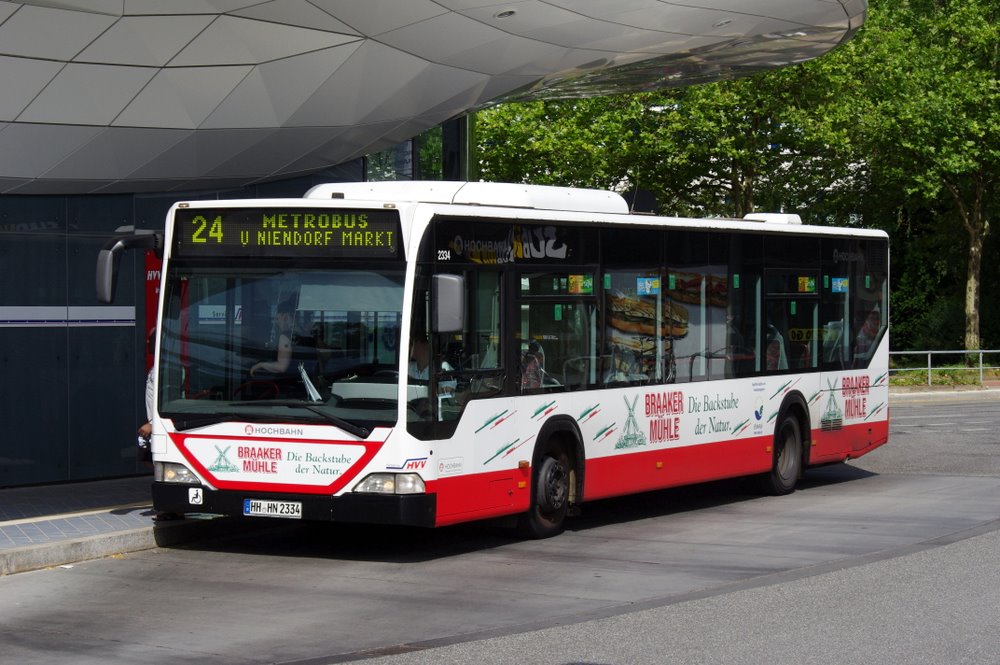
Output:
(777, 356)
(833, 336)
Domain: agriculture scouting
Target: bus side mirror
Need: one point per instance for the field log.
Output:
(448, 292)
(110, 257)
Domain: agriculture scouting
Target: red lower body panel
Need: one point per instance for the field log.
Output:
(481, 496)
(658, 469)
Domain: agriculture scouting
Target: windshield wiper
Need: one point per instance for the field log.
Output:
(356, 430)
(346, 425)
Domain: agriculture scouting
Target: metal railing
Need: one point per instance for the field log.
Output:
(961, 364)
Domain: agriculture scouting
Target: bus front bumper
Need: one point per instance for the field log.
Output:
(398, 509)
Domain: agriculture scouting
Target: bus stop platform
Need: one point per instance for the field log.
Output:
(61, 524)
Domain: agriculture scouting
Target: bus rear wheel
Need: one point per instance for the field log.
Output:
(550, 493)
(786, 466)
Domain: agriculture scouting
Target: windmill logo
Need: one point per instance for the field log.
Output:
(632, 436)
(833, 417)
(222, 463)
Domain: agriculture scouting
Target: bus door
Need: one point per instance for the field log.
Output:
(556, 332)
(854, 294)
(791, 330)
(462, 365)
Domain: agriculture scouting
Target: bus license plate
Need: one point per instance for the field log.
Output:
(266, 508)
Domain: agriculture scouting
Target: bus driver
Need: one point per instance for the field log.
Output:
(420, 359)
(284, 319)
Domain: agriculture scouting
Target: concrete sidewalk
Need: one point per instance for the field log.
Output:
(59, 524)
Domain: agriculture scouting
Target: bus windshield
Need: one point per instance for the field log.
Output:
(288, 344)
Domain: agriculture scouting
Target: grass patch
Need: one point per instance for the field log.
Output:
(944, 375)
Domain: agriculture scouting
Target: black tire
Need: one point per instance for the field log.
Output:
(550, 492)
(786, 467)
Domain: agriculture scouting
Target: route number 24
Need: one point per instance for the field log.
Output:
(201, 224)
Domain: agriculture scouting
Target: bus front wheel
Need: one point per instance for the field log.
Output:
(550, 494)
(786, 466)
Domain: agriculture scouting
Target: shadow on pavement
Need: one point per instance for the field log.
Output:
(391, 544)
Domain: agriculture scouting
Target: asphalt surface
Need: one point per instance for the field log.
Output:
(859, 611)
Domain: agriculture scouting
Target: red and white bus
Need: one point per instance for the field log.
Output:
(428, 353)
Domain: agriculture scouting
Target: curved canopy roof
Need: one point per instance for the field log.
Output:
(156, 95)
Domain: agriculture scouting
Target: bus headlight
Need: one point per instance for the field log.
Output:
(170, 472)
(391, 483)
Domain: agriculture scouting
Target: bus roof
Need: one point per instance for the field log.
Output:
(499, 194)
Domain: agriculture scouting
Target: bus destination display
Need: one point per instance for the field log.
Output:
(304, 232)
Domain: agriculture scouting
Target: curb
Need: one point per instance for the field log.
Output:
(930, 394)
(36, 557)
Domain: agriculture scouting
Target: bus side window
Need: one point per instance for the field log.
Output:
(481, 337)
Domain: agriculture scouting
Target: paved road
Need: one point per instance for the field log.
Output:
(951, 433)
(890, 559)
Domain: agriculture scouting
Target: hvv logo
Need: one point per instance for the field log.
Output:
(412, 464)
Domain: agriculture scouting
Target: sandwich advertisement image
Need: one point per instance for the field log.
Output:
(649, 317)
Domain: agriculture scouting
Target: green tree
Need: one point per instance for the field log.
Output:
(768, 143)
(931, 126)
(724, 149)
(578, 142)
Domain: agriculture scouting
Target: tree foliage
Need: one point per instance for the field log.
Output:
(898, 129)
(932, 130)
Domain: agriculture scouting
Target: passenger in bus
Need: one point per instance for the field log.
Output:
(319, 353)
(775, 349)
(284, 320)
(739, 357)
(618, 369)
(533, 367)
(868, 331)
(536, 349)
(419, 368)
(420, 359)
(734, 336)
